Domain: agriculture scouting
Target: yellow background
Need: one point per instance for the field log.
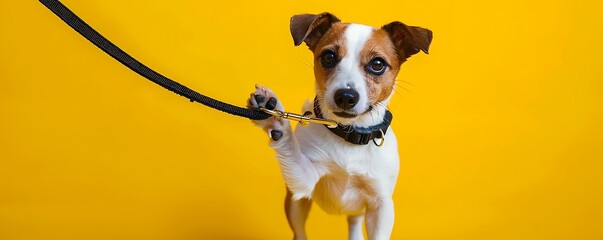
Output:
(500, 128)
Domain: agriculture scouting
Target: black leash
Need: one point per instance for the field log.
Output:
(107, 46)
(355, 135)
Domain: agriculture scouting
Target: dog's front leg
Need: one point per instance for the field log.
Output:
(380, 219)
(299, 173)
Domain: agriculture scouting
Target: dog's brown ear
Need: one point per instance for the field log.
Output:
(309, 28)
(408, 40)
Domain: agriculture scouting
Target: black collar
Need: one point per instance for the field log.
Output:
(358, 135)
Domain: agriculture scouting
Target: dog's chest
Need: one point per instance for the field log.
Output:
(343, 192)
(352, 174)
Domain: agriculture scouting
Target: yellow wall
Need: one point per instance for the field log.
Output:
(500, 128)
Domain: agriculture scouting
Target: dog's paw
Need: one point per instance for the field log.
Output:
(264, 97)
(278, 128)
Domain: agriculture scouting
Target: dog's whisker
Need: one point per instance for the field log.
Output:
(305, 62)
(404, 88)
(396, 91)
(404, 81)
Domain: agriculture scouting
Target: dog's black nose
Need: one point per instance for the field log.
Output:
(346, 98)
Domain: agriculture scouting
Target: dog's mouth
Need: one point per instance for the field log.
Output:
(346, 114)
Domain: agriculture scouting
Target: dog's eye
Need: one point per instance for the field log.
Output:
(328, 59)
(377, 66)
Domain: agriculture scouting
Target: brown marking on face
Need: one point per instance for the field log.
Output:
(334, 40)
(379, 45)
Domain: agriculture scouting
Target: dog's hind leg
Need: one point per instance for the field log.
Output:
(355, 227)
(380, 219)
(297, 213)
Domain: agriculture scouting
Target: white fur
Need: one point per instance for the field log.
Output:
(342, 178)
(347, 73)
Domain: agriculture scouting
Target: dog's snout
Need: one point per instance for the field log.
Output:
(346, 98)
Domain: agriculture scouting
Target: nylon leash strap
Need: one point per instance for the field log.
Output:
(107, 46)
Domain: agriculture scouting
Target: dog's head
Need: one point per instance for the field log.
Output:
(356, 65)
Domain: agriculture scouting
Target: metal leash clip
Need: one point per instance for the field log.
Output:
(303, 119)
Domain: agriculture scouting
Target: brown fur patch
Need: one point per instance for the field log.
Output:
(380, 45)
(334, 40)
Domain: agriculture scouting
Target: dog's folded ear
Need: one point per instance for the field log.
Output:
(309, 28)
(408, 40)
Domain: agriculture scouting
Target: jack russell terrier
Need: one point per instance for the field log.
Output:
(345, 170)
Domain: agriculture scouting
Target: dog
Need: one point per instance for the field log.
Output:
(351, 169)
